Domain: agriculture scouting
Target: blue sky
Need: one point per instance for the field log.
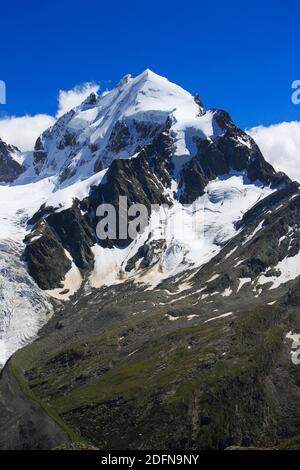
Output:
(239, 56)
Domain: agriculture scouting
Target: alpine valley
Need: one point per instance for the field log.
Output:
(185, 337)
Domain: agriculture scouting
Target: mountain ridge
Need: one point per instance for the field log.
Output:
(181, 337)
(182, 159)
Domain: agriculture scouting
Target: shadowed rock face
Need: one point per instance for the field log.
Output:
(142, 179)
(75, 231)
(235, 151)
(45, 256)
(10, 169)
(56, 232)
(33, 428)
(193, 182)
(120, 137)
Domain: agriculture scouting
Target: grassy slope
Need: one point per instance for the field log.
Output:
(178, 389)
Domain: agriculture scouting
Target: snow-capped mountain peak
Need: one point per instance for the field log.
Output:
(117, 125)
(149, 140)
(184, 155)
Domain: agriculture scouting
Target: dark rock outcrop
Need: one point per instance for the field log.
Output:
(45, 256)
(39, 156)
(75, 232)
(10, 168)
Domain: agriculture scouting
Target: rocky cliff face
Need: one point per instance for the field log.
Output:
(10, 163)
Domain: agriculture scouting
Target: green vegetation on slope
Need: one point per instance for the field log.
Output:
(145, 385)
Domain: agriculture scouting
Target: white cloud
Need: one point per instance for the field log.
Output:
(280, 145)
(68, 100)
(23, 131)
